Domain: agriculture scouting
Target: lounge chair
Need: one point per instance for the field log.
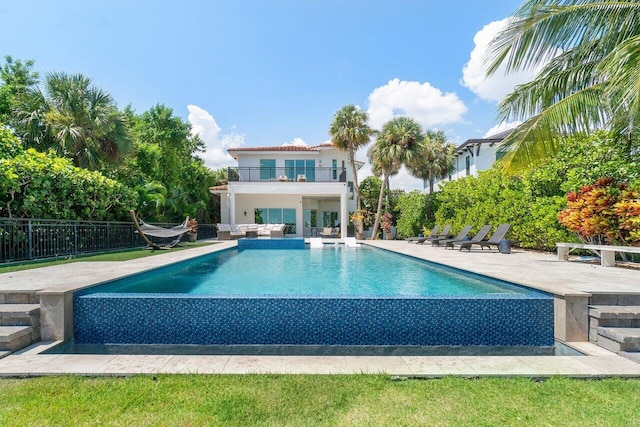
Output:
(463, 233)
(421, 239)
(477, 238)
(494, 240)
(350, 242)
(145, 230)
(444, 234)
(316, 243)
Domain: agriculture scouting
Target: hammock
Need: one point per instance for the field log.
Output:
(152, 230)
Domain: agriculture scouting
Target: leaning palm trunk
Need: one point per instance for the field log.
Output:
(376, 224)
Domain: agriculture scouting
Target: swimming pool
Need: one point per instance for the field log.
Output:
(333, 271)
(349, 298)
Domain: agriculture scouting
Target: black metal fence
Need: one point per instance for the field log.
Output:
(27, 239)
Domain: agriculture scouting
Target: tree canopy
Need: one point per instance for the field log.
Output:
(589, 52)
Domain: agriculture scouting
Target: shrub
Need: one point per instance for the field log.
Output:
(604, 212)
(42, 185)
(413, 210)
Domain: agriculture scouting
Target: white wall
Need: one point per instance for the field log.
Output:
(480, 161)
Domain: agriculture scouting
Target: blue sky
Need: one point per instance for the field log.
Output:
(252, 73)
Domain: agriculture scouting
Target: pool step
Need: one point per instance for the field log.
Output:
(19, 321)
(619, 339)
(19, 297)
(615, 324)
(14, 338)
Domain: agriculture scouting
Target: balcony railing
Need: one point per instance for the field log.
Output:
(287, 174)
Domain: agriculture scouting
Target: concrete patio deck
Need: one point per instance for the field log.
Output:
(534, 269)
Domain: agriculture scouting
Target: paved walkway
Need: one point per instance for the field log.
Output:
(538, 270)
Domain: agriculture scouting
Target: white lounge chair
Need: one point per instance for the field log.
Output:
(316, 243)
(350, 242)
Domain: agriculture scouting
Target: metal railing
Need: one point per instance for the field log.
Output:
(287, 174)
(24, 239)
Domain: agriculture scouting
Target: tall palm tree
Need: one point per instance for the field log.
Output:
(75, 119)
(399, 142)
(592, 54)
(349, 131)
(436, 158)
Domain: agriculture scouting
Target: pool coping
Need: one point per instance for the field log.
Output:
(597, 362)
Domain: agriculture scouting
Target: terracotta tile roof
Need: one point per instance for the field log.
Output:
(281, 148)
(219, 188)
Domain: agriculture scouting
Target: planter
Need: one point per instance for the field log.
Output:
(192, 237)
(389, 235)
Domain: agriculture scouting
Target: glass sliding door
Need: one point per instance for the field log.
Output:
(289, 218)
(267, 169)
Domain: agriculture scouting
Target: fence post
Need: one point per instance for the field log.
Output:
(75, 237)
(29, 237)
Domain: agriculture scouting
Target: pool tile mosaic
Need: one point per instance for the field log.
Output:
(180, 319)
(270, 244)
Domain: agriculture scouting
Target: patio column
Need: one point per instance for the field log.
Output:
(344, 215)
(232, 208)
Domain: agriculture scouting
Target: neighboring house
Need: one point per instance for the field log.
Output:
(473, 156)
(307, 188)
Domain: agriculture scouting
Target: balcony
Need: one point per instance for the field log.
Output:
(287, 174)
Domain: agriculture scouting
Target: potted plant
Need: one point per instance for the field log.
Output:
(192, 234)
(387, 223)
(357, 218)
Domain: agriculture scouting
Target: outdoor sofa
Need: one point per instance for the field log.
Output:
(238, 231)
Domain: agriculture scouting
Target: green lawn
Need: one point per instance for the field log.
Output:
(304, 400)
(111, 256)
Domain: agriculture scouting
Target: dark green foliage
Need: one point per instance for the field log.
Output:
(42, 185)
(531, 202)
(10, 146)
(413, 210)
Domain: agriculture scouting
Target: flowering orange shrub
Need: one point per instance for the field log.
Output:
(604, 212)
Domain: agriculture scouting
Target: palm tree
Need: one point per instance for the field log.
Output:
(592, 54)
(399, 142)
(75, 119)
(436, 159)
(349, 131)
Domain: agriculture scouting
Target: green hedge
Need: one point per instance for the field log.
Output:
(42, 185)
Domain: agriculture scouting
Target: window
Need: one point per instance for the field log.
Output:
(329, 219)
(276, 216)
(334, 167)
(350, 189)
(267, 169)
(310, 218)
(294, 168)
(467, 165)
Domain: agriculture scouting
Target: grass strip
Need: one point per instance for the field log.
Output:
(124, 255)
(313, 400)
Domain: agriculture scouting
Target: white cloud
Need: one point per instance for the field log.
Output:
(421, 101)
(299, 142)
(501, 127)
(499, 84)
(216, 143)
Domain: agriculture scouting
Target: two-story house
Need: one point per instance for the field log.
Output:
(306, 188)
(473, 156)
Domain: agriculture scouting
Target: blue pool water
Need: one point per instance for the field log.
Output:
(348, 299)
(335, 271)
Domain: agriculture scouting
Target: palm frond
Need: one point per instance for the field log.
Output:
(537, 137)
